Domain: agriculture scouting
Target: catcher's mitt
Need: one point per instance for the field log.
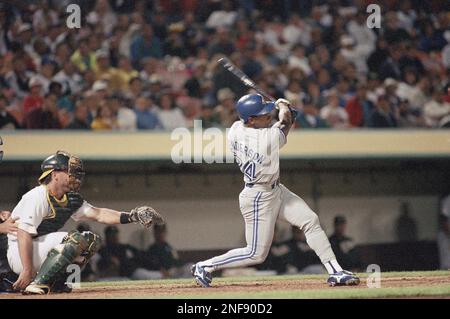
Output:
(146, 216)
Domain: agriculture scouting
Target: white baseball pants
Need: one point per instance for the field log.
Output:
(261, 207)
(41, 246)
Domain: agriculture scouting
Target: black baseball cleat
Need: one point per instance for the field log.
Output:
(60, 287)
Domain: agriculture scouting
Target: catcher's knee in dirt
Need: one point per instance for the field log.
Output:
(73, 245)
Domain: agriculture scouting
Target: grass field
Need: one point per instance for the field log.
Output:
(427, 284)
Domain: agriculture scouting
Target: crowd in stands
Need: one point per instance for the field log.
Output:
(151, 65)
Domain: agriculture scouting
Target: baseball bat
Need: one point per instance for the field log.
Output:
(227, 64)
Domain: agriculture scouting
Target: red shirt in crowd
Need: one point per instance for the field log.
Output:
(355, 112)
(32, 102)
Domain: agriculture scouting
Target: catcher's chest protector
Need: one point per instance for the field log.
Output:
(61, 210)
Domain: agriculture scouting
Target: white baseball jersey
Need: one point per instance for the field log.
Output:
(32, 209)
(257, 152)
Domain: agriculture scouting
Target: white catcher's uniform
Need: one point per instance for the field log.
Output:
(32, 209)
(263, 200)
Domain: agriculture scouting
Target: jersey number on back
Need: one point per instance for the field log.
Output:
(249, 170)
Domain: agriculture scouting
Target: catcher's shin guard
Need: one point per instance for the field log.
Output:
(74, 245)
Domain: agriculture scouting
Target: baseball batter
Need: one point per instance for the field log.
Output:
(255, 143)
(39, 247)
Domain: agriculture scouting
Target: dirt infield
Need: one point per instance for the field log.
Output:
(223, 288)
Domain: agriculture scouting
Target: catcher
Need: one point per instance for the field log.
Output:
(40, 253)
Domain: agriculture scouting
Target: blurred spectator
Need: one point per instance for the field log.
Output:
(161, 256)
(102, 16)
(437, 110)
(45, 117)
(145, 45)
(394, 31)
(63, 101)
(293, 92)
(70, 79)
(332, 113)
(7, 121)
(134, 88)
(209, 117)
(44, 17)
(222, 43)
(377, 57)
(147, 117)
(355, 53)
(296, 32)
(298, 59)
(443, 242)
(81, 118)
(174, 43)
(390, 92)
(83, 58)
(406, 88)
(359, 107)
(309, 117)
(100, 90)
(35, 99)
(169, 114)
(126, 72)
(198, 84)
(120, 261)
(18, 77)
(46, 74)
(104, 71)
(222, 18)
(156, 87)
(343, 246)
(446, 51)
(250, 64)
(407, 116)
(125, 117)
(226, 108)
(382, 116)
(364, 37)
(390, 68)
(406, 227)
(420, 94)
(149, 70)
(104, 119)
(160, 24)
(410, 61)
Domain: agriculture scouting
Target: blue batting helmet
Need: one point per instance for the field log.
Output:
(253, 105)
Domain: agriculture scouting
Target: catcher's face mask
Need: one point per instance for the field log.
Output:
(74, 169)
(76, 173)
